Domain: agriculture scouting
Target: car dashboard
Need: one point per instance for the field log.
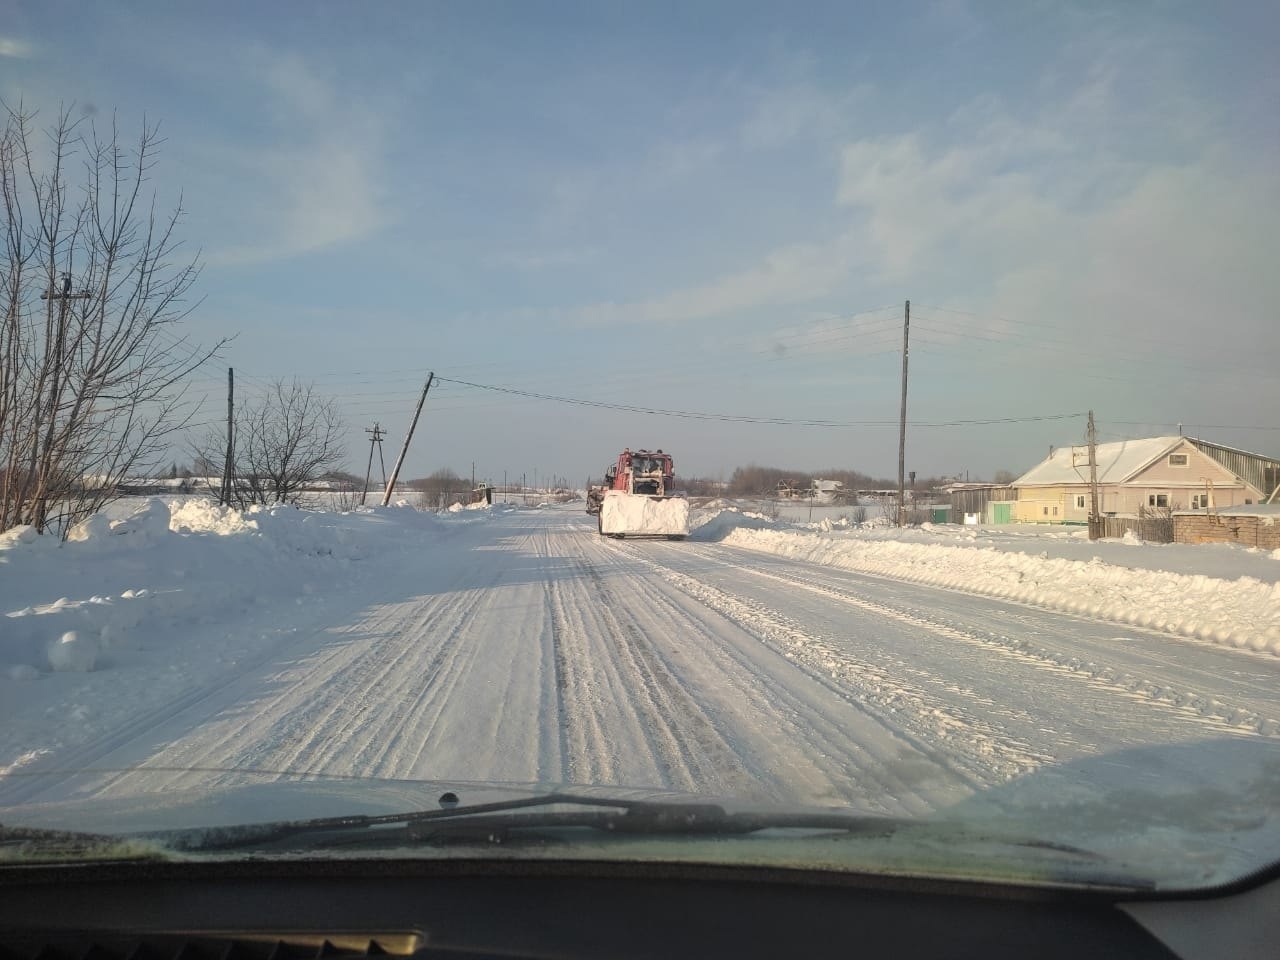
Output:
(281, 910)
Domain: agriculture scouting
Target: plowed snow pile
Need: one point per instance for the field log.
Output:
(642, 516)
(1241, 612)
(124, 585)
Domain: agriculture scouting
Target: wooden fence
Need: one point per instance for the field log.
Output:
(1154, 528)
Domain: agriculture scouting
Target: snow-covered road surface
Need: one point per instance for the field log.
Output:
(524, 647)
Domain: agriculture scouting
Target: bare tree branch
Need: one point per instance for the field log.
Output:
(90, 376)
(284, 443)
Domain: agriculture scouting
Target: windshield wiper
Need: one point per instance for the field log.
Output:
(503, 820)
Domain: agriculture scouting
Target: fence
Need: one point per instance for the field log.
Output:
(1154, 527)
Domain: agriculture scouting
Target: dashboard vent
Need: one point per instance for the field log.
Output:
(274, 945)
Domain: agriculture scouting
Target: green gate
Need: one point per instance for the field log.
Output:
(1001, 511)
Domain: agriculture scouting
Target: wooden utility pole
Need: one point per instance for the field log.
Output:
(64, 296)
(395, 471)
(1095, 513)
(376, 436)
(228, 465)
(902, 419)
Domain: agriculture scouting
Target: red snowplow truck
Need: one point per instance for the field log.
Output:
(637, 498)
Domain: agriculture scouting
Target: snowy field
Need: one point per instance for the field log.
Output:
(774, 659)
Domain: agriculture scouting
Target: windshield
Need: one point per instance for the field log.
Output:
(955, 322)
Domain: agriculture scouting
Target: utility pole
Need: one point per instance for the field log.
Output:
(228, 464)
(505, 491)
(473, 475)
(395, 471)
(1095, 514)
(902, 419)
(64, 296)
(375, 440)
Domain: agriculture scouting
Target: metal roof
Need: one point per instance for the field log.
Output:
(1117, 462)
(1260, 472)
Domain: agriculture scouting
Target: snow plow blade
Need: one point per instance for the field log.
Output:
(635, 515)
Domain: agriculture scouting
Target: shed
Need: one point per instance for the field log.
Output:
(992, 502)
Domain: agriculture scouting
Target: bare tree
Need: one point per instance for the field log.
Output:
(91, 372)
(285, 441)
(439, 489)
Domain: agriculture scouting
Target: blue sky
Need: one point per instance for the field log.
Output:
(714, 208)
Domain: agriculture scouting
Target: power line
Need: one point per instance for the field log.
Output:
(737, 418)
(1190, 426)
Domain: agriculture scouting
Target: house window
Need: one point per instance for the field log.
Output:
(1055, 511)
(1079, 501)
(1157, 500)
(1179, 460)
(1046, 511)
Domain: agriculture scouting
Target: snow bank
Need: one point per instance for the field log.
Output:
(128, 583)
(716, 525)
(1243, 613)
(73, 653)
(205, 516)
(642, 516)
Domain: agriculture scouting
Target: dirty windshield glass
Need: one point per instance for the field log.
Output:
(835, 436)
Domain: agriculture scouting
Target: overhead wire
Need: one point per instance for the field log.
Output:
(737, 418)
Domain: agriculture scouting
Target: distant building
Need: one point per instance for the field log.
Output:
(827, 490)
(1158, 473)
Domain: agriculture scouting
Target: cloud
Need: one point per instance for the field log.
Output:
(791, 274)
(318, 183)
(15, 47)
(546, 258)
(800, 109)
(678, 159)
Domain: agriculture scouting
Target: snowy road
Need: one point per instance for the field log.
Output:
(524, 647)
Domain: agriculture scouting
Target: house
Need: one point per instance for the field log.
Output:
(1158, 473)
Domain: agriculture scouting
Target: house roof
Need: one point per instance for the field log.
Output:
(1117, 462)
(1222, 446)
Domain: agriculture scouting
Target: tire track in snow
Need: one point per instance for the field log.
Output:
(584, 745)
(975, 749)
(1213, 711)
(331, 709)
(835, 751)
(553, 751)
(46, 777)
(618, 723)
(694, 750)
